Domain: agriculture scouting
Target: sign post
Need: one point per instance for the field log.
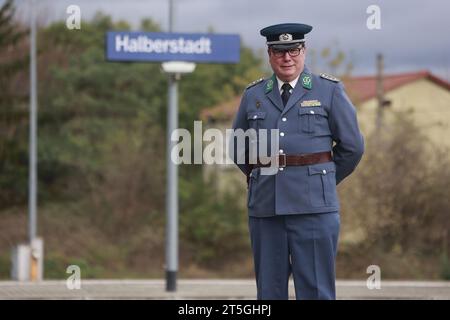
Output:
(174, 69)
(179, 52)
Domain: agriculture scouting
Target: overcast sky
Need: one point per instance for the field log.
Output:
(413, 35)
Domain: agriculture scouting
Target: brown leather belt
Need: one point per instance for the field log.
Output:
(285, 160)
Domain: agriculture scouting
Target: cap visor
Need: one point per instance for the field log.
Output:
(286, 46)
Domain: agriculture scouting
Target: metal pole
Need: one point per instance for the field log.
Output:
(172, 190)
(172, 181)
(32, 188)
(170, 15)
(380, 92)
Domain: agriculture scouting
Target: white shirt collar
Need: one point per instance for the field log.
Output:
(292, 83)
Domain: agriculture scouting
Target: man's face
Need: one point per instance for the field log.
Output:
(286, 66)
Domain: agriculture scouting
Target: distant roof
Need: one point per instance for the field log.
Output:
(361, 88)
(364, 88)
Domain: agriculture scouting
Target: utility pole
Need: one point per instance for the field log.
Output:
(170, 15)
(36, 244)
(32, 174)
(380, 92)
(27, 258)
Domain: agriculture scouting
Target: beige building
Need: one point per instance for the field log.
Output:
(421, 95)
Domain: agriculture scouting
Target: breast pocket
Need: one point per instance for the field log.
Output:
(322, 184)
(314, 121)
(255, 119)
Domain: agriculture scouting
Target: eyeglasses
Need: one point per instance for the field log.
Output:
(292, 52)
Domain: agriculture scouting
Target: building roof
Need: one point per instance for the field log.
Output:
(359, 88)
(364, 88)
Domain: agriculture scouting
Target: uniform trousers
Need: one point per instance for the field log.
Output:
(304, 245)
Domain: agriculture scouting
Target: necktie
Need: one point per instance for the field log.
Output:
(286, 92)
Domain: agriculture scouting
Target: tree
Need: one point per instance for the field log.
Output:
(13, 108)
(332, 60)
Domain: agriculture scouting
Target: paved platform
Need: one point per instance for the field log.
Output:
(209, 289)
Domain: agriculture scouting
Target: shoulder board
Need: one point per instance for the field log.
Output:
(329, 77)
(254, 83)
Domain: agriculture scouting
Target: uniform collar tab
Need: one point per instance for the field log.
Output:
(269, 84)
(306, 79)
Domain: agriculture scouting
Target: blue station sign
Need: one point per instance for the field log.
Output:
(160, 46)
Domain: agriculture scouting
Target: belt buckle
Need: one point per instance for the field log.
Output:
(282, 164)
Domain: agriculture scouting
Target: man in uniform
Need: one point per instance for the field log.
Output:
(294, 214)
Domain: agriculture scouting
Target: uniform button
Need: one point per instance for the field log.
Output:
(255, 116)
(283, 119)
(312, 112)
(281, 151)
(282, 134)
(281, 169)
(324, 171)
